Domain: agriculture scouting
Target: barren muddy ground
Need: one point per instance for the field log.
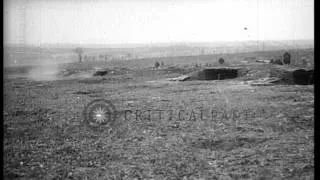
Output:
(164, 130)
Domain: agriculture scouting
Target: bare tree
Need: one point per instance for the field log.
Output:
(101, 57)
(79, 51)
(286, 58)
(156, 64)
(221, 60)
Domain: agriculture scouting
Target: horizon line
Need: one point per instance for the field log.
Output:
(150, 43)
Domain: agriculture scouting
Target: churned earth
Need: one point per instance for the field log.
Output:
(221, 129)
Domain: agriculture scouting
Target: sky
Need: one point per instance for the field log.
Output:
(155, 21)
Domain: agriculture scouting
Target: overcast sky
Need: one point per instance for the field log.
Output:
(153, 21)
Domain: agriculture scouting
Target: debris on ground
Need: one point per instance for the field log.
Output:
(268, 81)
(180, 78)
(276, 61)
(244, 62)
(263, 61)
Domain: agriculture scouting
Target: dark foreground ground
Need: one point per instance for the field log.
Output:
(206, 129)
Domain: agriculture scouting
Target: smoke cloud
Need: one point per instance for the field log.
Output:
(44, 70)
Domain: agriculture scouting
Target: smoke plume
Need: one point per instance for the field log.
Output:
(44, 70)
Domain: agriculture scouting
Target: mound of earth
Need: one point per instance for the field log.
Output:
(100, 72)
(215, 74)
(261, 74)
(293, 75)
(220, 73)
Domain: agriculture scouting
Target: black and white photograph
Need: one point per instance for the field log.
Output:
(158, 89)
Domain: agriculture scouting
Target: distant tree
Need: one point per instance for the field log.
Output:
(221, 60)
(106, 57)
(129, 55)
(202, 51)
(304, 61)
(101, 56)
(286, 58)
(79, 51)
(156, 64)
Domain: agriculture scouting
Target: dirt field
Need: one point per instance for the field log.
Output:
(205, 129)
